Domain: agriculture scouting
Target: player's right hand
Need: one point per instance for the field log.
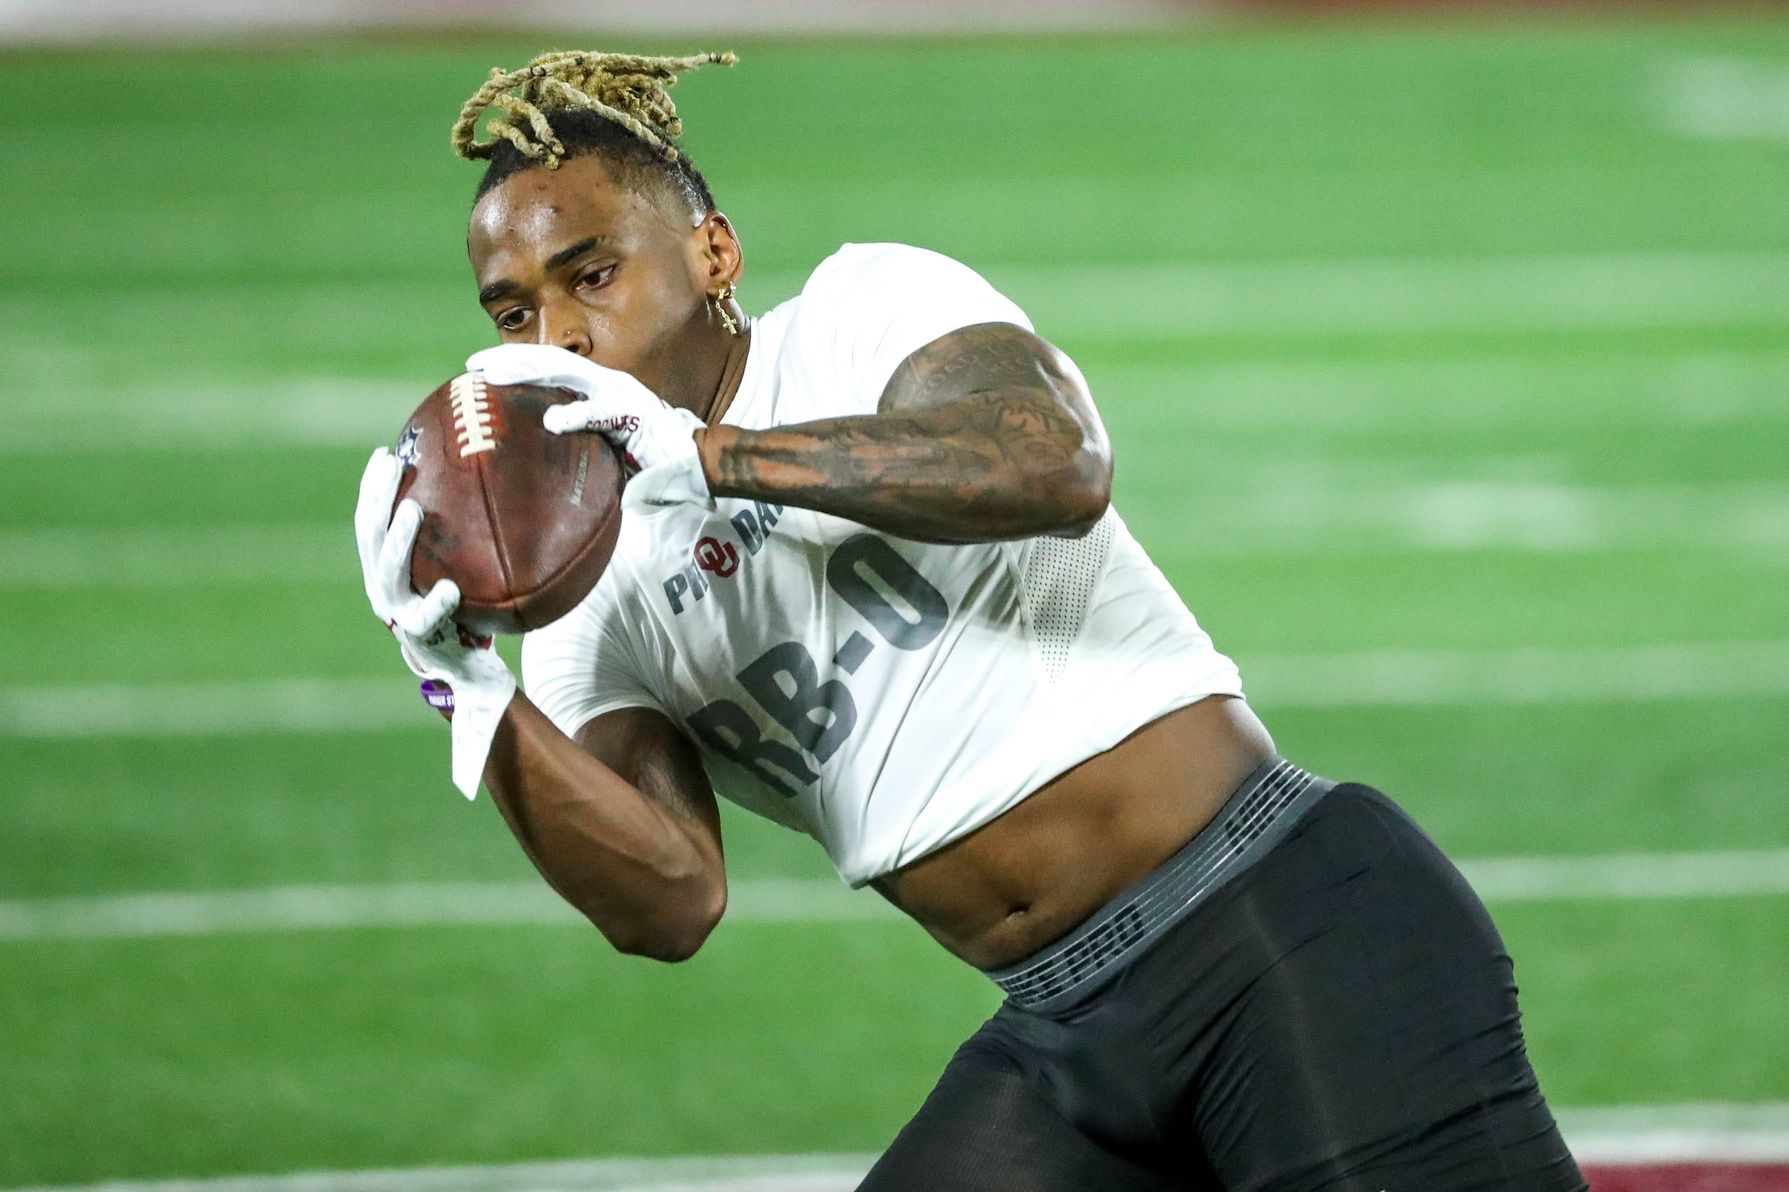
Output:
(434, 646)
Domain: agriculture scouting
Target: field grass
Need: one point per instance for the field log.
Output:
(1410, 337)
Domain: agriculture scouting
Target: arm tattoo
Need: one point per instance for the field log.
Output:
(983, 434)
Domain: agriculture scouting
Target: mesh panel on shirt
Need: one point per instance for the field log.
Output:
(1060, 575)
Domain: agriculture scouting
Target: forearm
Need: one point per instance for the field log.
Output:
(985, 467)
(637, 867)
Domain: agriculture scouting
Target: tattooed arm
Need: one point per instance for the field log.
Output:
(985, 433)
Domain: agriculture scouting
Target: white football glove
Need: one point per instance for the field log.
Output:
(657, 439)
(433, 645)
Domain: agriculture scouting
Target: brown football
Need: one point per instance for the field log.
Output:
(523, 520)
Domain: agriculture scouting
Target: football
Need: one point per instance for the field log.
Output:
(523, 520)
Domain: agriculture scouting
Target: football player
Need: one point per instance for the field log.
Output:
(870, 585)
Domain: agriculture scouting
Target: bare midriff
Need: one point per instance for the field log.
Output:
(1030, 876)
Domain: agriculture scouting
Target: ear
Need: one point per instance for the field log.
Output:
(716, 254)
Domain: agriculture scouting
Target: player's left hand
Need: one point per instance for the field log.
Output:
(657, 439)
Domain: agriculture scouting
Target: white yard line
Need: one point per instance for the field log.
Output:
(1299, 509)
(1726, 99)
(1305, 510)
(1588, 389)
(203, 709)
(1535, 675)
(277, 909)
(51, 558)
(1402, 296)
(1367, 678)
(205, 415)
(719, 1173)
(1156, 300)
(413, 904)
(1638, 388)
(1698, 1133)
(1630, 877)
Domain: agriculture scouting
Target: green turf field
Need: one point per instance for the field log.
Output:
(1460, 355)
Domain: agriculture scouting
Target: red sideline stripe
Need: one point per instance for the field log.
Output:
(1689, 1177)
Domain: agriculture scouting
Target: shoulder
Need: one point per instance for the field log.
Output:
(851, 262)
(867, 307)
(886, 274)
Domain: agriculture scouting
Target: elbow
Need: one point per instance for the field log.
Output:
(674, 945)
(680, 926)
(665, 948)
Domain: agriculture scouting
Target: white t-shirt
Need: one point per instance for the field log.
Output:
(882, 695)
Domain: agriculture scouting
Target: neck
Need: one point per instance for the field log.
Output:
(705, 372)
(731, 374)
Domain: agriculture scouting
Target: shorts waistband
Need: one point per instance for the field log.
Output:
(1250, 822)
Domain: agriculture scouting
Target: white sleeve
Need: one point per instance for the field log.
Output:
(586, 663)
(886, 301)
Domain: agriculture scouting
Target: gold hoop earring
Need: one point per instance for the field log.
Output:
(721, 297)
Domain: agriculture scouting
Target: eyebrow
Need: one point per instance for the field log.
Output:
(566, 256)
(497, 289)
(504, 287)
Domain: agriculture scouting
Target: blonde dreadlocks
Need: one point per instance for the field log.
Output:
(629, 90)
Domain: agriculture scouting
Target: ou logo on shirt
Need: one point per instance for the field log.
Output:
(721, 558)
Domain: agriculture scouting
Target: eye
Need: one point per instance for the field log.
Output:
(513, 319)
(594, 277)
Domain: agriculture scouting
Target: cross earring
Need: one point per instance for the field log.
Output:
(721, 298)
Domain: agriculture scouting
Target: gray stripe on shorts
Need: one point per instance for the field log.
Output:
(1251, 822)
